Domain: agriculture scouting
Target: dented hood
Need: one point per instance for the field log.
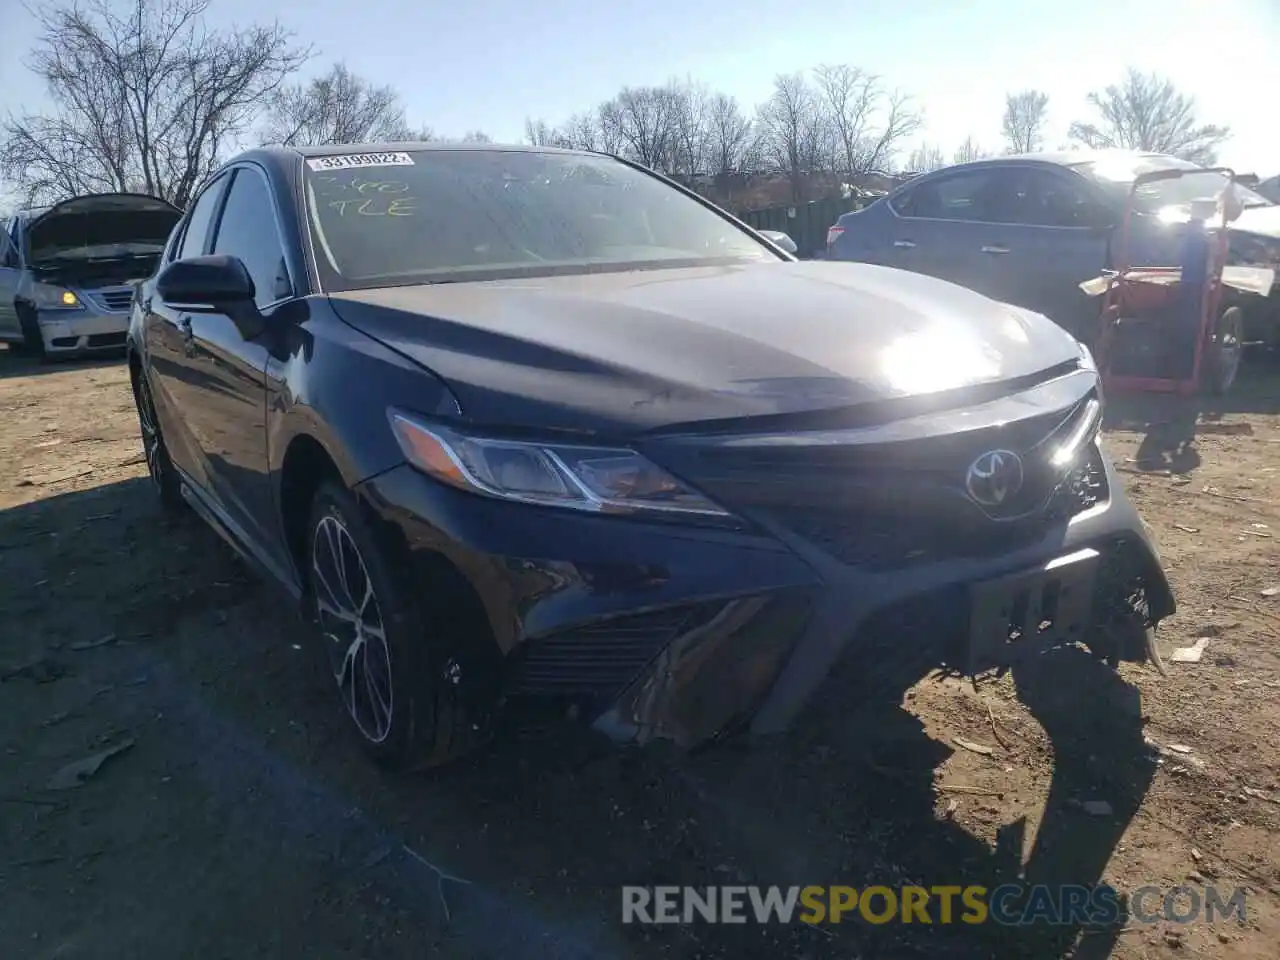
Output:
(640, 350)
(100, 225)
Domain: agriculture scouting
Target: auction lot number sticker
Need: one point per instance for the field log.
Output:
(348, 160)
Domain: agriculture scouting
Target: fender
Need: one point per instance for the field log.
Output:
(333, 384)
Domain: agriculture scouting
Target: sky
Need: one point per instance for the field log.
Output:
(489, 64)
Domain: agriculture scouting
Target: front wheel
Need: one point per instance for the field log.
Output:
(32, 342)
(397, 686)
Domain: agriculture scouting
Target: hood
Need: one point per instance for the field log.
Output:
(1261, 221)
(100, 225)
(617, 353)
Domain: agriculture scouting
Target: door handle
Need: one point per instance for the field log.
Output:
(904, 244)
(995, 249)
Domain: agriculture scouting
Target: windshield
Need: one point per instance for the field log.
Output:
(1116, 175)
(439, 215)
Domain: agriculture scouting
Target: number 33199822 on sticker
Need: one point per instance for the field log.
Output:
(348, 160)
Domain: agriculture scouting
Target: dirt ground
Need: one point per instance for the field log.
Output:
(241, 822)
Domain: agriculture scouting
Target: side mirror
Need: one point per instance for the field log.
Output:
(216, 284)
(205, 284)
(780, 239)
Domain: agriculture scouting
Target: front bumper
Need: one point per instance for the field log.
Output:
(687, 634)
(70, 332)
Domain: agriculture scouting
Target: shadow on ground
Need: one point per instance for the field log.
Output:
(14, 364)
(549, 821)
(1171, 424)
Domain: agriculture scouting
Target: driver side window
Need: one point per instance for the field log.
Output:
(247, 229)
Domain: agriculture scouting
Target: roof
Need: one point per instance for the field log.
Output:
(335, 149)
(1067, 158)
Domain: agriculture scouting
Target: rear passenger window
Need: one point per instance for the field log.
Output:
(972, 195)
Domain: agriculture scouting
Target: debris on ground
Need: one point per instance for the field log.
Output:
(74, 774)
(1191, 654)
(970, 745)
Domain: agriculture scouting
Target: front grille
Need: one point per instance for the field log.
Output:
(601, 658)
(106, 340)
(115, 300)
(913, 525)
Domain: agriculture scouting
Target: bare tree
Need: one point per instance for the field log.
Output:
(925, 158)
(644, 121)
(790, 132)
(691, 121)
(968, 152)
(145, 97)
(539, 133)
(582, 132)
(476, 136)
(728, 136)
(1025, 115)
(1146, 112)
(865, 123)
(337, 107)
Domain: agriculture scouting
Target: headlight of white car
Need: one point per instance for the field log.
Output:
(46, 296)
(590, 479)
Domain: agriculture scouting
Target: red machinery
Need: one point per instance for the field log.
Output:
(1165, 329)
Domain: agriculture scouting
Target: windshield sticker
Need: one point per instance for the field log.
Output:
(348, 160)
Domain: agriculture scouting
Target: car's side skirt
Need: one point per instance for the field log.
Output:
(235, 536)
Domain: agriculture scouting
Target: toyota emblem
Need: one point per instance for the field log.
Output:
(994, 477)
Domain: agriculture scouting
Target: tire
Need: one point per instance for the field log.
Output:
(393, 660)
(32, 344)
(164, 478)
(1226, 346)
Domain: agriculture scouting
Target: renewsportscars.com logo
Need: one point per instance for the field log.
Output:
(1010, 904)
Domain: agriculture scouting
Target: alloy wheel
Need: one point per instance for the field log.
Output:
(150, 434)
(351, 621)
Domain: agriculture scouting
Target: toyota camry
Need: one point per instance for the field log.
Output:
(515, 423)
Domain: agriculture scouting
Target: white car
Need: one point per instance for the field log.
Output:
(67, 272)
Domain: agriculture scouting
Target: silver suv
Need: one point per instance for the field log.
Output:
(67, 272)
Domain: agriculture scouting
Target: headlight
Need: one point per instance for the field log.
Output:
(590, 479)
(1082, 432)
(48, 297)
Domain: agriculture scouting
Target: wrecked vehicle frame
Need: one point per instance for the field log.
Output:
(644, 463)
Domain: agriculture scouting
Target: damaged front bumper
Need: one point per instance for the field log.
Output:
(688, 635)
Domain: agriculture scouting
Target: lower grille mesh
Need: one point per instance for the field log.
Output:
(602, 658)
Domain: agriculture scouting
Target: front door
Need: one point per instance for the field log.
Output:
(944, 225)
(173, 373)
(1050, 238)
(227, 408)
